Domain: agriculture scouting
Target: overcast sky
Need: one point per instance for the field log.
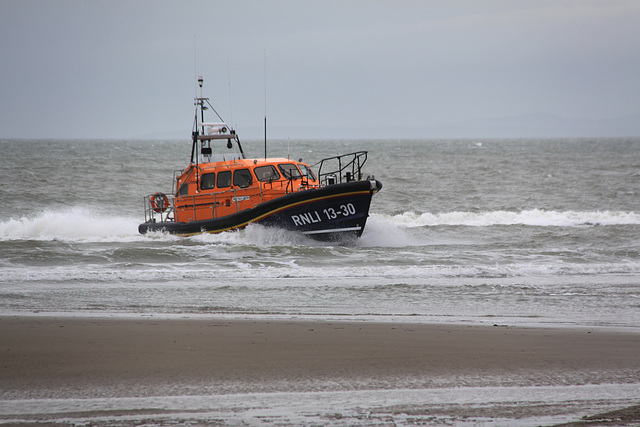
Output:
(127, 69)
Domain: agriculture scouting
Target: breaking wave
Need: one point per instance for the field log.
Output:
(533, 217)
(74, 224)
(83, 224)
(253, 276)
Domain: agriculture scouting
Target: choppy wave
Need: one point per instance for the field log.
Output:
(409, 402)
(83, 224)
(77, 223)
(533, 217)
(291, 269)
(463, 246)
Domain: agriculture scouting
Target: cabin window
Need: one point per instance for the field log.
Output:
(290, 171)
(208, 181)
(224, 179)
(242, 178)
(266, 173)
(184, 189)
(306, 171)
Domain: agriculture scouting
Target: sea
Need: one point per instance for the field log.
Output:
(507, 232)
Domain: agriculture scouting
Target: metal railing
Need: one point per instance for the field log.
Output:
(154, 212)
(343, 168)
(154, 208)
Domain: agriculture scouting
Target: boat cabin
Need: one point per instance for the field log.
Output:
(213, 190)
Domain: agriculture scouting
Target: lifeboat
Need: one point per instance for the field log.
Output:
(223, 190)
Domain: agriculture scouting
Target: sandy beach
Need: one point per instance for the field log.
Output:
(88, 358)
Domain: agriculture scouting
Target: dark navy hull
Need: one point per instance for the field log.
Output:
(328, 213)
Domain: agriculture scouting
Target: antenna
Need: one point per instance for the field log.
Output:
(195, 64)
(229, 79)
(265, 104)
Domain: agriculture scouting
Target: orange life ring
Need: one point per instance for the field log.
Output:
(159, 202)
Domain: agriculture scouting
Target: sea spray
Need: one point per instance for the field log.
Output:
(533, 217)
(73, 224)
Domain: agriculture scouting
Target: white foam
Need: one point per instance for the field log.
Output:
(386, 231)
(234, 268)
(341, 407)
(258, 235)
(74, 224)
(533, 217)
(84, 224)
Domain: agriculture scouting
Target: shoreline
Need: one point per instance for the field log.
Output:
(47, 359)
(409, 319)
(60, 354)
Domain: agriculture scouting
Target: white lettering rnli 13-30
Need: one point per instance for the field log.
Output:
(329, 213)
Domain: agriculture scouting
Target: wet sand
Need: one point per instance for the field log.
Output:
(65, 357)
